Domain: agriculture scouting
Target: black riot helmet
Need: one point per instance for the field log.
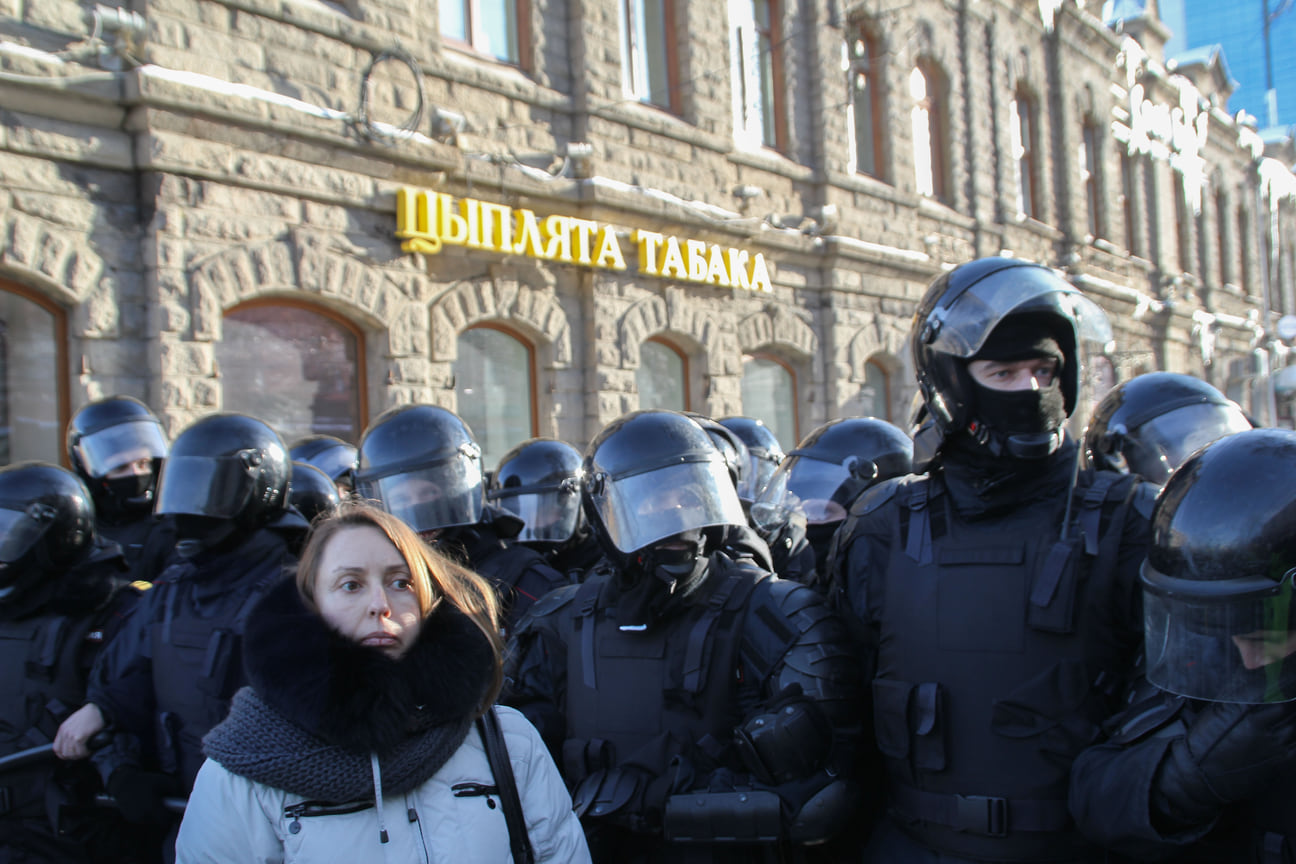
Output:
(764, 453)
(653, 474)
(312, 491)
(1219, 581)
(1150, 424)
(226, 467)
(46, 525)
(829, 469)
(422, 464)
(106, 436)
(539, 481)
(954, 321)
(333, 456)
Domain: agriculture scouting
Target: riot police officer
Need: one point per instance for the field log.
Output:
(117, 446)
(169, 675)
(62, 595)
(423, 465)
(699, 708)
(1201, 766)
(1151, 423)
(764, 453)
(333, 456)
(806, 499)
(740, 541)
(539, 482)
(996, 597)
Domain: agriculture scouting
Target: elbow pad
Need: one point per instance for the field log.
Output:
(788, 742)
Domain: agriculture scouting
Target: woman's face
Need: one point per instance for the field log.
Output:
(365, 592)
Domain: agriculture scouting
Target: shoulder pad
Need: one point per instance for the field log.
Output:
(553, 601)
(1145, 498)
(875, 496)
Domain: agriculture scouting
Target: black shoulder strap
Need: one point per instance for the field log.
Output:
(502, 769)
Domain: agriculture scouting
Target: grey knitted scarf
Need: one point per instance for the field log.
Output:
(257, 742)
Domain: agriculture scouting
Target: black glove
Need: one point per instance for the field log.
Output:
(139, 794)
(1230, 753)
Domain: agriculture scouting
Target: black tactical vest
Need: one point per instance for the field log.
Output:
(640, 698)
(42, 680)
(989, 673)
(197, 660)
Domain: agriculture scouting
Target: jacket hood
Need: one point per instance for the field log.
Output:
(355, 696)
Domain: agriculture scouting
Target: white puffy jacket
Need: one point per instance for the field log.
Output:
(235, 820)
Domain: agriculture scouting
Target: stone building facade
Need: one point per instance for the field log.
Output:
(545, 213)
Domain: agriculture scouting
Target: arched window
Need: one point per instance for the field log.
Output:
(494, 379)
(33, 349)
(662, 376)
(769, 394)
(875, 394)
(927, 93)
(1023, 131)
(298, 367)
(862, 63)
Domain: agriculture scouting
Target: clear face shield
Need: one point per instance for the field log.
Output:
(441, 493)
(639, 509)
(116, 446)
(963, 327)
(1163, 443)
(761, 466)
(813, 487)
(1225, 641)
(551, 512)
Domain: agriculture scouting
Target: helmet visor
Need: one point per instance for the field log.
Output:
(336, 462)
(115, 446)
(961, 328)
(640, 509)
(804, 484)
(19, 531)
(440, 495)
(760, 468)
(550, 513)
(1163, 443)
(1229, 641)
(199, 486)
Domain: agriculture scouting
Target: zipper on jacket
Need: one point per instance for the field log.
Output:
(473, 790)
(306, 809)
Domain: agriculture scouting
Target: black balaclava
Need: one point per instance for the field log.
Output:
(199, 534)
(655, 576)
(1023, 424)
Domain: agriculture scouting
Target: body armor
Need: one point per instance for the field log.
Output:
(985, 689)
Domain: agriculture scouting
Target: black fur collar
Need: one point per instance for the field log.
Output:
(353, 695)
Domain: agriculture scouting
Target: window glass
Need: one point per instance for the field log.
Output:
(863, 87)
(924, 173)
(293, 367)
(494, 388)
(30, 345)
(454, 19)
(489, 26)
(645, 38)
(661, 377)
(769, 395)
(873, 400)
